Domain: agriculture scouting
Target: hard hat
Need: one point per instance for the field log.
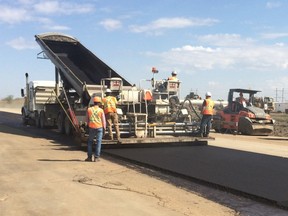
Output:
(208, 94)
(108, 91)
(174, 73)
(97, 100)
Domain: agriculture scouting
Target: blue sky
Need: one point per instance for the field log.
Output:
(213, 45)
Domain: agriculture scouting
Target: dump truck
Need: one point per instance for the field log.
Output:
(80, 75)
(241, 116)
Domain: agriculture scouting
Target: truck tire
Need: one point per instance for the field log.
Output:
(37, 120)
(217, 124)
(42, 119)
(24, 118)
(67, 126)
(60, 123)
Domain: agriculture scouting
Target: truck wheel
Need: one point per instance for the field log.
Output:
(42, 119)
(24, 119)
(216, 125)
(67, 126)
(37, 120)
(60, 123)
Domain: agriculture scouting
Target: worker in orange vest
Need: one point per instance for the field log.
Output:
(110, 109)
(207, 114)
(96, 123)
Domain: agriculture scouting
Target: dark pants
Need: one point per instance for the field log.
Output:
(205, 124)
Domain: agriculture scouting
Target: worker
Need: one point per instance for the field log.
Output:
(110, 103)
(97, 124)
(173, 76)
(207, 114)
(241, 100)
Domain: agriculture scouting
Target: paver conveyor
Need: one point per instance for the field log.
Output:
(77, 64)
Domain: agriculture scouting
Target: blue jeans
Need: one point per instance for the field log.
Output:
(205, 124)
(98, 132)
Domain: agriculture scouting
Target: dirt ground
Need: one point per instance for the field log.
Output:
(41, 176)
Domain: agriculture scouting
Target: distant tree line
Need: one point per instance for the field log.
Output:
(8, 99)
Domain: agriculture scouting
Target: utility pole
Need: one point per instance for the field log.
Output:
(280, 97)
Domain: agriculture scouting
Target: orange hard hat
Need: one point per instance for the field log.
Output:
(97, 100)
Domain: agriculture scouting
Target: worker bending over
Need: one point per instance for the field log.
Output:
(110, 103)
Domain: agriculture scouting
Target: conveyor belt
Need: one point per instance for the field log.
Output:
(259, 175)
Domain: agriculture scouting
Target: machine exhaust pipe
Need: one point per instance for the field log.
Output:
(27, 84)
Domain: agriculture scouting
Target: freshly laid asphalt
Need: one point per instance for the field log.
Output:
(262, 176)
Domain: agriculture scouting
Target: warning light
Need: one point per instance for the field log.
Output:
(154, 70)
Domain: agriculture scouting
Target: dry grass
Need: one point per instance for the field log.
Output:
(15, 103)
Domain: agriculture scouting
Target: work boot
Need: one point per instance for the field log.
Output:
(96, 159)
(88, 159)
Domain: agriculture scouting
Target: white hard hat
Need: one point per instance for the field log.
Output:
(108, 91)
(208, 94)
(174, 73)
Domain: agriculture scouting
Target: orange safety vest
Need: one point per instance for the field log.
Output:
(95, 117)
(110, 104)
(208, 107)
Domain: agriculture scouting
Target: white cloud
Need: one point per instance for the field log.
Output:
(13, 15)
(273, 4)
(277, 82)
(48, 24)
(58, 7)
(251, 57)
(234, 40)
(213, 84)
(171, 23)
(280, 44)
(111, 24)
(194, 49)
(28, 10)
(20, 44)
(25, 2)
(57, 27)
(274, 35)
